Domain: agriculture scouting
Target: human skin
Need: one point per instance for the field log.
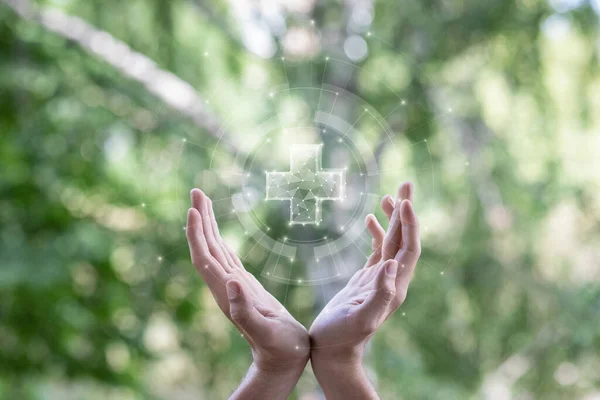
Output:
(280, 344)
(343, 328)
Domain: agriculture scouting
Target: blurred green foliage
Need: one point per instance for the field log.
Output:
(97, 295)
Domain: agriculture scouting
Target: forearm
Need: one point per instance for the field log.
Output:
(261, 384)
(342, 379)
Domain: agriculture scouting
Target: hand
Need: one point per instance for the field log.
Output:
(280, 344)
(345, 325)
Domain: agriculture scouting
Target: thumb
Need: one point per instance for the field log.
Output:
(242, 311)
(374, 309)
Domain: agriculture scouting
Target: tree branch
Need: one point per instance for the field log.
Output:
(166, 86)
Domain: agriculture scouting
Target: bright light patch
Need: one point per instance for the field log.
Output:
(306, 185)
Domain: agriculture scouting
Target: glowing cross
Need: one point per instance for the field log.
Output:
(306, 185)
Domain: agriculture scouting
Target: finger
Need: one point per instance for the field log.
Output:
(217, 234)
(374, 309)
(249, 279)
(391, 242)
(197, 197)
(196, 240)
(378, 235)
(201, 257)
(411, 249)
(214, 247)
(375, 229)
(243, 313)
(411, 242)
(405, 191)
(387, 205)
(234, 257)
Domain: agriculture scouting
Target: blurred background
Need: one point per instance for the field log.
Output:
(98, 298)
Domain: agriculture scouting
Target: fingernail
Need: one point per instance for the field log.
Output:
(391, 268)
(233, 290)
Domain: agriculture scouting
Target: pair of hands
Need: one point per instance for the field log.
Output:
(281, 346)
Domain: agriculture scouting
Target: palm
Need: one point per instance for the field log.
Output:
(336, 323)
(266, 324)
(354, 313)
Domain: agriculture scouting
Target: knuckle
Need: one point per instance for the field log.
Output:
(414, 250)
(388, 294)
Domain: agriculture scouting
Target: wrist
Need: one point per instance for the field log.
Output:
(282, 362)
(267, 382)
(279, 363)
(338, 356)
(342, 377)
(335, 365)
(279, 366)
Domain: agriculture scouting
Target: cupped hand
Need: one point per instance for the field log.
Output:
(278, 341)
(374, 292)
